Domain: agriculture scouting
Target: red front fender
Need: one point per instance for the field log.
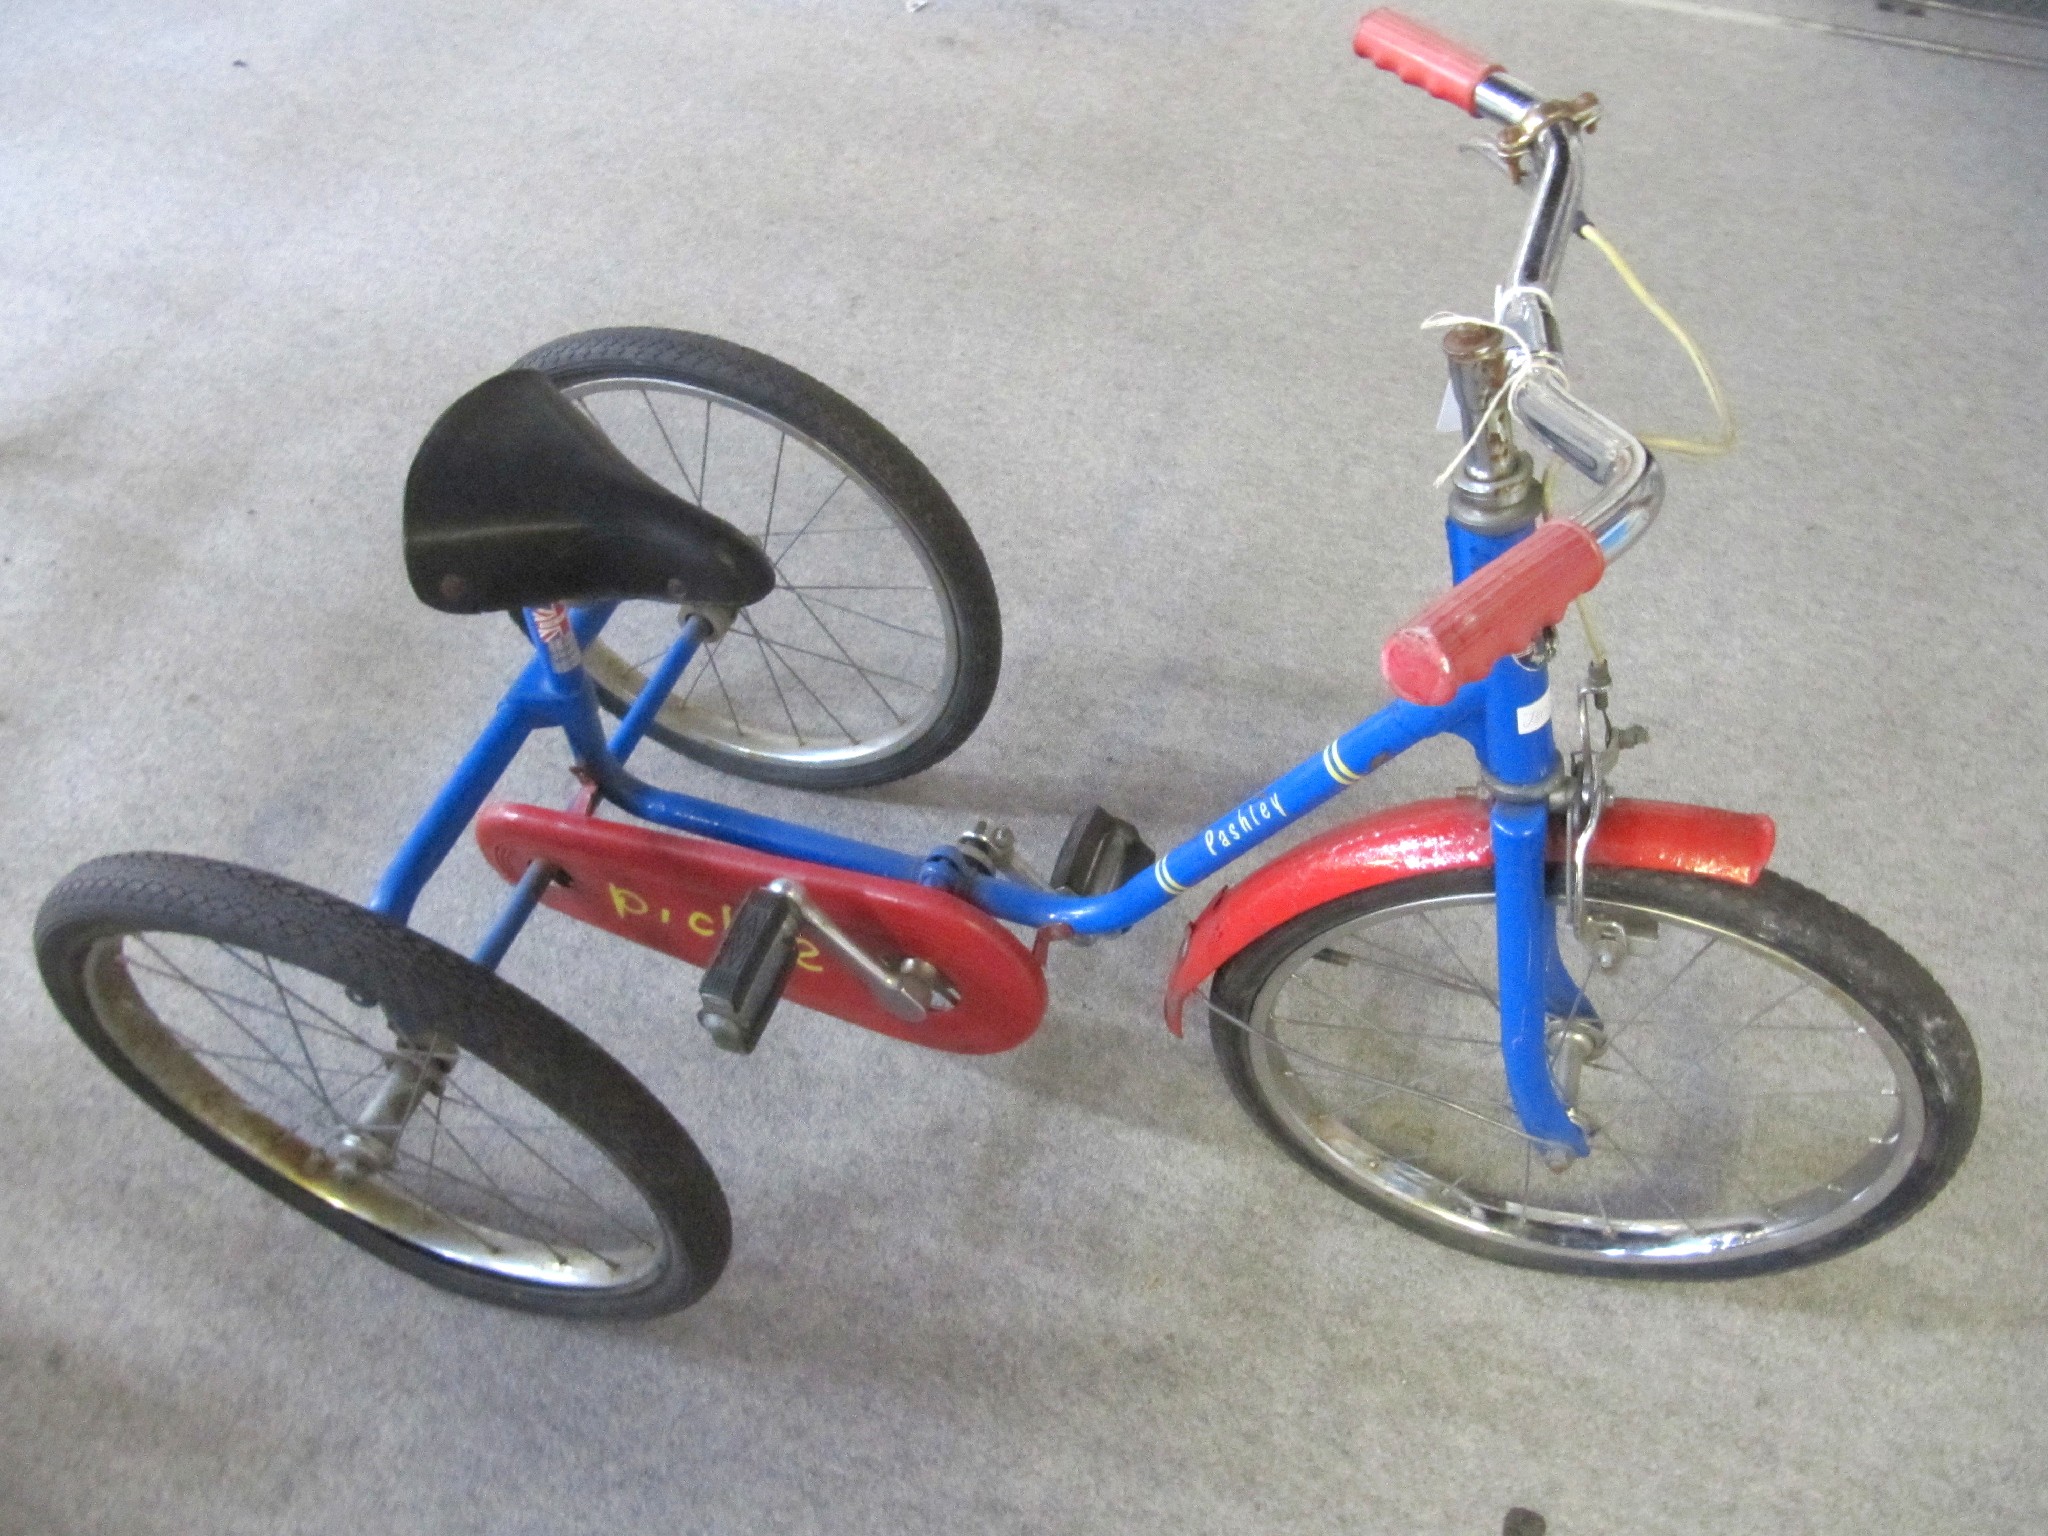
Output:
(1433, 835)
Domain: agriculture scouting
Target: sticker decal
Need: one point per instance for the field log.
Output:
(564, 654)
(1534, 715)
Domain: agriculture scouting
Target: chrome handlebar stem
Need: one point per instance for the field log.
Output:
(1631, 481)
(1631, 485)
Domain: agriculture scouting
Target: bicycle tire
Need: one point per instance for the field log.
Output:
(1763, 1119)
(175, 971)
(858, 663)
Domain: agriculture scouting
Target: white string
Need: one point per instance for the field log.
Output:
(1524, 362)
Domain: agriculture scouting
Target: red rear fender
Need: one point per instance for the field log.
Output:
(1433, 835)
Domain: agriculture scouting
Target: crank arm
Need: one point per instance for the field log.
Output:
(910, 991)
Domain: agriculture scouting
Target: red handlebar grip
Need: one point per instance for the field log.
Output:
(1497, 611)
(1448, 71)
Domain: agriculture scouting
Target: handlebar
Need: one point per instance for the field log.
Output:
(1420, 57)
(1497, 611)
(1505, 611)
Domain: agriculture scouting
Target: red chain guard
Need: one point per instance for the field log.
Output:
(676, 894)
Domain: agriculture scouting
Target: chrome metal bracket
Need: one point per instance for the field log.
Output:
(1543, 652)
(369, 1143)
(1550, 790)
(993, 850)
(1588, 798)
(1582, 113)
(910, 989)
(1490, 151)
(720, 618)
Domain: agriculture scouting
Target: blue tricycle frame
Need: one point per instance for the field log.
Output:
(1505, 718)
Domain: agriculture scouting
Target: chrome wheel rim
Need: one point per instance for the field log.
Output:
(1741, 1104)
(857, 650)
(281, 1061)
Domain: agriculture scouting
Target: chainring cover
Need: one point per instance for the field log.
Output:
(677, 894)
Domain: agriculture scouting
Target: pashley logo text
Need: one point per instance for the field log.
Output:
(1244, 821)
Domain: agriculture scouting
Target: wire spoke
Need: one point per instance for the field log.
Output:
(863, 671)
(826, 533)
(300, 998)
(774, 490)
(247, 1033)
(1656, 998)
(1642, 1174)
(513, 1133)
(662, 427)
(1296, 1054)
(901, 629)
(568, 1207)
(305, 1050)
(492, 1189)
(1457, 955)
(704, 455)
(292, 1109)
(846, 586)
(843, 660)
(1678, 1114)
(804, 683)
(730, 707)
(220, 996)
(768, 666)
(695, 680)
(1391, 1034)
(1804, 983)
(1401, 965)
(778, 559)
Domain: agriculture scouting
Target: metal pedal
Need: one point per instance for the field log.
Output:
(745, 979)
(1101, 852)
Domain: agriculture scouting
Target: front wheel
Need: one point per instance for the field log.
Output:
(1767, 1079)
(412, 1102)
(877, 653)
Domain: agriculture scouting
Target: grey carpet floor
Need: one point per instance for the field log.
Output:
(1141, 281)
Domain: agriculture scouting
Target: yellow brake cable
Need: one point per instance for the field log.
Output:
(1722, 442)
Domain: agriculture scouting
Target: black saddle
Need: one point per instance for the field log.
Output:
(517, 500)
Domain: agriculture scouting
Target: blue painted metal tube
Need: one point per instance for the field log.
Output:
(533, 702)
(513, 914)
(659, 685)
(525, 896)
(1302, 789)
(1311, 784)
(479, 771)
(706, 818)
(1519, 746)
(1524, 926)
(569, 703)
(764, 834)
(1470, 550)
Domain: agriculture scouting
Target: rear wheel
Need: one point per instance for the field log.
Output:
(877, 653)
(401, 1096)
(1770, 1079)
